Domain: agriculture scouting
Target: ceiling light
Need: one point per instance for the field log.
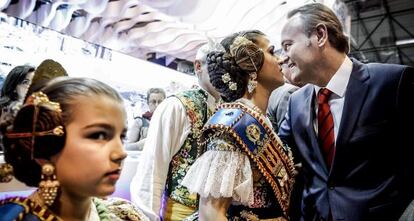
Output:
(405, 41)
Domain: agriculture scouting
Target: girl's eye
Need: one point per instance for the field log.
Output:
(123, 137)
(271, 50)
(98, 136)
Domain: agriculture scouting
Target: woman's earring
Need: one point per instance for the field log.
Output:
(252, 84)
(49, 185)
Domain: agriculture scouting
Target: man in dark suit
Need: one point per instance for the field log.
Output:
(349, 125)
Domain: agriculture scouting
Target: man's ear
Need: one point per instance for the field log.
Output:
(197, 67)
(322, 34)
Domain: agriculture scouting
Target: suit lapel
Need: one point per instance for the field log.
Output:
(354, 97)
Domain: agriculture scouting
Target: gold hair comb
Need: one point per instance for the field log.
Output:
(40, 98)
(36, 99)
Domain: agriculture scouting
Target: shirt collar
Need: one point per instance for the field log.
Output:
(340, 79)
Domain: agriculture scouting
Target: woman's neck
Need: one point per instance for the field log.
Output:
(259, 97)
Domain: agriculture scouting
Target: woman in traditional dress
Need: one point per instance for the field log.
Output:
(246, 173)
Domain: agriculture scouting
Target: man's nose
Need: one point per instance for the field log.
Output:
(283, 59)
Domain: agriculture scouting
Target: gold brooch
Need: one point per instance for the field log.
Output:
(253, 133)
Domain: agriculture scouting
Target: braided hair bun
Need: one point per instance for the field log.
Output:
(221, 63)
(248, 56)
(229, 70)
(21, 147)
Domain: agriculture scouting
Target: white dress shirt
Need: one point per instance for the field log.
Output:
(337, 85)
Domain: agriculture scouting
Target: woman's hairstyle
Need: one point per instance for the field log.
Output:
(317, 13)
(14, 78)
(229, 70)
(38, 130)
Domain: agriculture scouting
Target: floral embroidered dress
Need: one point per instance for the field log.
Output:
(112, 209)
(244, 160)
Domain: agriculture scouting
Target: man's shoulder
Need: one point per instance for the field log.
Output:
(379, 67)
(304, 91)
(195, 96)
(192, 93)
(285, 88)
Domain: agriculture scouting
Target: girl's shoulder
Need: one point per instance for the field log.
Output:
(114, 208)
(21, 208)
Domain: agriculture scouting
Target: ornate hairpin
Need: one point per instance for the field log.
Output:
(38, 99)
(238, 41)
(251, 51)
(57, 131)
(227, 80)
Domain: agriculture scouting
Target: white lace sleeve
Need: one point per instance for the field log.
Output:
(221, 172)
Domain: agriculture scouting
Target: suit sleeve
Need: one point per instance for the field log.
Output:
(405, 103)
(286, 135)
(285, 131)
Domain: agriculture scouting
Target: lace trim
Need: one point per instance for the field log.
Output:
(222, 174)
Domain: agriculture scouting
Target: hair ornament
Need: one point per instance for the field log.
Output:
(238, 41)
(57, 131)
(214, 45)
(248, 49)
(227, 80)
(232, 86)
(40, 98)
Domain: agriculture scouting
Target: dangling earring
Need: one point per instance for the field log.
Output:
(48, 186)
(252, 84)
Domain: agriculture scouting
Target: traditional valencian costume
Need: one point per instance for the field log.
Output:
(244, 160)
(112, 209)
(171, 156)
(36, 206)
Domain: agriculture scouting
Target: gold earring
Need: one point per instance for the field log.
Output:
(49, 185)
(252, 83)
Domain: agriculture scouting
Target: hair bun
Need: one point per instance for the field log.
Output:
(232, 86)
(248, 56)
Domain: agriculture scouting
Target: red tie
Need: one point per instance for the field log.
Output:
(326, 126)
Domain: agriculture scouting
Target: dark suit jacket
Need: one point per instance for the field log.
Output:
(372, 169)
(278, 103)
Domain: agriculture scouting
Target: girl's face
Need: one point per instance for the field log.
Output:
(270, 76)
(91, 160)
(22, 87)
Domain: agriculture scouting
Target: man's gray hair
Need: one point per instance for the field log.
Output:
(202, 53)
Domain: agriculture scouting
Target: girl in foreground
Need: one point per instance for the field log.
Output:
(67, 140)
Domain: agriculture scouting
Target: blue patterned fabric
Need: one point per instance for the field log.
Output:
(10, 212)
